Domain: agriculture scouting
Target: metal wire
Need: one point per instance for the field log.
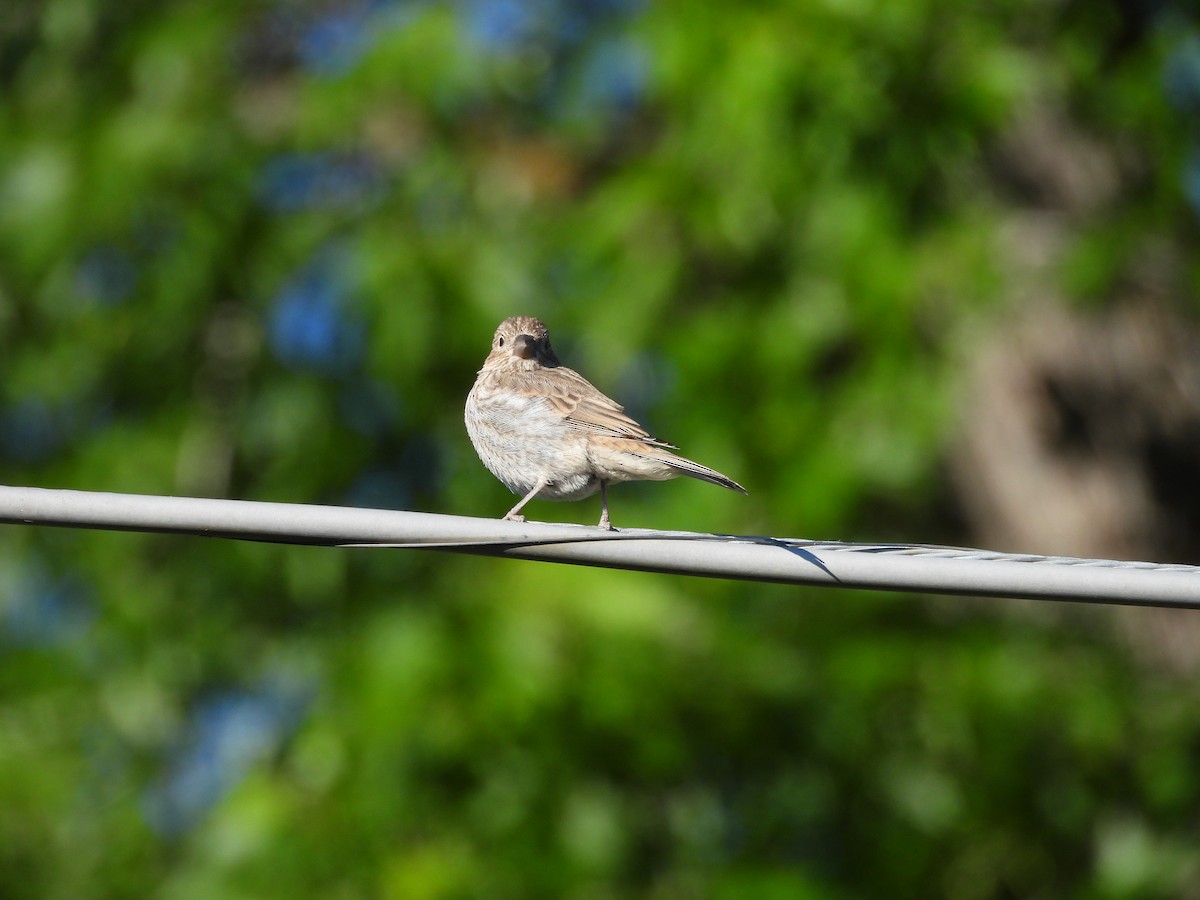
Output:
(906, 567)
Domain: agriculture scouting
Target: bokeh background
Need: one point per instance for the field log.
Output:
(908, 269)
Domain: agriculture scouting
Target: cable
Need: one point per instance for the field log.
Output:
(903, 567)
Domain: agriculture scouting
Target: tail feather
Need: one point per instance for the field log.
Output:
(704, 473)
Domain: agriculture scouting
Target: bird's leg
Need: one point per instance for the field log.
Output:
(604, 521)
(514, 514)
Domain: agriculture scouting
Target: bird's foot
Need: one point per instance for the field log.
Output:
(604, 522)
(514, 517)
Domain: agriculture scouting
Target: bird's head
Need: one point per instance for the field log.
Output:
(523, 341)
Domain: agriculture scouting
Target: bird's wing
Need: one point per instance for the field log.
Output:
(585, 408)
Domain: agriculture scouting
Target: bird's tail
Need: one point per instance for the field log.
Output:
(704, 473)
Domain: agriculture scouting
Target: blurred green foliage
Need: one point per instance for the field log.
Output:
(258, 251)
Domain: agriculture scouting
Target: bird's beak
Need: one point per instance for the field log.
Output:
(524, 346)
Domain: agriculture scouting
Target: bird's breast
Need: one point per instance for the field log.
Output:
(522, 440)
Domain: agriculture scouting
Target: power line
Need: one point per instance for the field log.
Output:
(904, 567)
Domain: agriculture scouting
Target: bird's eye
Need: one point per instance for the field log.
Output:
(499, 342)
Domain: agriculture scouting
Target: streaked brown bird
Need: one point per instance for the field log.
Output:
(546, 432)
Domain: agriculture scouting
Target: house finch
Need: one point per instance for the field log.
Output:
(546, 432)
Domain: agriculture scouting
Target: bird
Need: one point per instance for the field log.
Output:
(545, 431)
